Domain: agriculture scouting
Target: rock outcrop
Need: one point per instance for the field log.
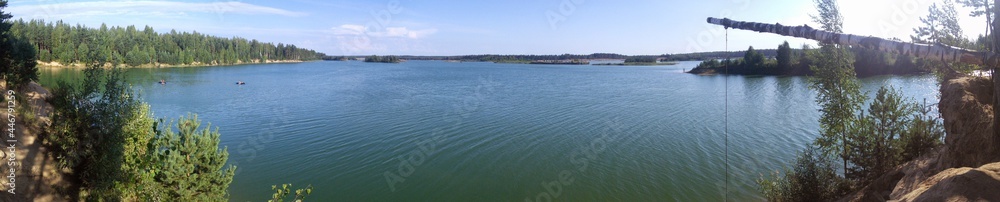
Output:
(966, 168)
(967, 109)
(960, 184)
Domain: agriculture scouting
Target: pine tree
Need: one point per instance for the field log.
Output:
(189, 164)
(940, 26)
(17, 56)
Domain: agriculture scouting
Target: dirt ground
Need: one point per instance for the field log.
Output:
(37, 174)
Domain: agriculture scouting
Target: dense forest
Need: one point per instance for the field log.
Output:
(68, 44)
(102, 136)
(383, 59)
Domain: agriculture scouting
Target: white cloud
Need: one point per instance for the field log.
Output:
(117, 8)
(355, 39)
(388, 32)
(348, 29)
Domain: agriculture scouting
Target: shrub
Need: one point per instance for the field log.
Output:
(280, 193)
(106, 135)
(924, 134)
(188, 165)
(812, 179)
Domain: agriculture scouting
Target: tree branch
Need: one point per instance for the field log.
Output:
(939, 52)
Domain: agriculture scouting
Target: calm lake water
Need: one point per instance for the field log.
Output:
(441, 131)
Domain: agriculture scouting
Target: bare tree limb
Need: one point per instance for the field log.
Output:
(939, 52)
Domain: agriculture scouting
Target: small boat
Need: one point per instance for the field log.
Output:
(162, 82)
(240, 83)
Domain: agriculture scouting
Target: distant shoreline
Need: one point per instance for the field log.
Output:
(637, 64)
(76, 65)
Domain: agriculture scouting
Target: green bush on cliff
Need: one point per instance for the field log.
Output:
(104, 133)
(813, 178)
(188, 165)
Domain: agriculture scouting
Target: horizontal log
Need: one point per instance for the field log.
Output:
(928, 51)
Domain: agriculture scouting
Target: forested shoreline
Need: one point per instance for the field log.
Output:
(65, 44)
(794, 62)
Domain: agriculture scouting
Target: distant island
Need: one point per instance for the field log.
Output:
(640, 61)
(383, 59)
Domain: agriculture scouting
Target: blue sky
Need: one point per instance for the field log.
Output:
(339, 27)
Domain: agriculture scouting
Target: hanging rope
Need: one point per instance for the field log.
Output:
(725, 118)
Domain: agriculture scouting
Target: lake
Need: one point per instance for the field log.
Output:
(447, 131)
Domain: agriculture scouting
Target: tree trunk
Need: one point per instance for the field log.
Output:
(935, 52)
(996, 80)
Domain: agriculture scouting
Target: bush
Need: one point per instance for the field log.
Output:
(22, 62)
(871, 137)
(88, 132)
(280, 193)
(923, 135)
(894, 131)
(106, 135)
(188, 166)
(812, 179)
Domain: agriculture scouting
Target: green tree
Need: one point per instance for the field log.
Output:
(21, 66)
(829, 16)
(108, 137)
(88, 130)
(871, 138)
(784, 57)
(839, 92)
(127, 45)
(189, 165)
(753, 59)
(135, 57)
(813, 178)
(83, 53)
(981, 8)
(923, 134)
(940, 26)
(17, 56)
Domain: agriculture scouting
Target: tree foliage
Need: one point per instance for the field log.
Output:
(66, 44)
(753, 58)
(870, 138)
(893, 131)
(981, 8)
(940, 26)
(839, 96)
(813, 178)
(188, 165)
(839, 92)
(829, 16)
(17, 56)
(870, 143)
(281, 193)
(640, 59)
(382, 59)
(784, 57)
(789, 61)
(108, 137)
